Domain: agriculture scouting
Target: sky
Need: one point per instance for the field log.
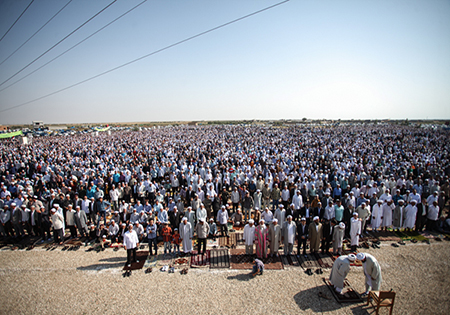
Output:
(301, 59)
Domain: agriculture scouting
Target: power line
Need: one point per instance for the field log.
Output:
(66, 51)
(36, 32)
(145, 56)
(16, 20)
(58, 43)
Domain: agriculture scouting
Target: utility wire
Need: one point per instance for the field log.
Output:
(36, 32)
(145, 56)
(16, 20)
(58, 43)
(66, 51)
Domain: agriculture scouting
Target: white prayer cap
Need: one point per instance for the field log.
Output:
(275, 220)
(389, 199)
(130, 225)
(379, 200)
(342, 225)
(355, 213)
(53, 210)
(116, 211)
(281, 206)
(256, 208)
(398, 190)
(211, 219)
(360, 256)
(202, 220)
(137, 222)
(351, 193)
(261, 220)
(303, 219)
(92, 225)
(401, 200)
(289, 216)
(112, 221)
(13, 204)
(351, 257)
(413, 201)
(184, 218)
(23, 206)
(78, 207)
(223, 207)
(123, 224)
(315, 218)
(251, 221)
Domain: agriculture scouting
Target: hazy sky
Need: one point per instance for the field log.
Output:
(314, 59)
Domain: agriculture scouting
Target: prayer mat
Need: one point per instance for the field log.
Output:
(309, 261)
(324, 260)
(151, 261)
(181, 262)
(114, 245)
(26, 241)
(231, 241)
(198, 261)
(74, 241)
(142, 257)
(219, 258)
(353, 296)
(239, 260)
(290, 260)
(386, 236)
(408, 236)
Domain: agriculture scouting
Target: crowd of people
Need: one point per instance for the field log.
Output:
(174, 184)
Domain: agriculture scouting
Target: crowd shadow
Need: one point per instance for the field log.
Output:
(96, 267)
(114, 259)
(309, 300)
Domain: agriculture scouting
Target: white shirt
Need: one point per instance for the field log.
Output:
(130, 239)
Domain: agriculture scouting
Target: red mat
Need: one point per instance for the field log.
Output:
(239, 260)
(202, 260)
(142, 257)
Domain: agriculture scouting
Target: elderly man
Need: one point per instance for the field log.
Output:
(377, 215)
(397, 216)
(274, 237)
(249, 237)
(222, 219)
(237, 218)
(113, 231)
(341, 267)
(186, 235)
(302, 236)
(267, 216)
(372, 271)
(81, 221)
(202, 230)
(410, 213)
(289, 233)
(152, 237)
(57, 221)
(315, 233)
(338, 238)
(261, 233)
(364, 214)
(70, 221)
(130, 243)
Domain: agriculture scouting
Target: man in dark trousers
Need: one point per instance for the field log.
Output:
(302, 235)
(131, 243)
(328, 229)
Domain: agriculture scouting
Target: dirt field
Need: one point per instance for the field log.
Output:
(56, 282)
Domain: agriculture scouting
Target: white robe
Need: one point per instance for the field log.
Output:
(191, 220)
(409, 216)
(377, 213)
(341, 267)
(186, 234)
(387, 215)
(249, 234)
(355, 231)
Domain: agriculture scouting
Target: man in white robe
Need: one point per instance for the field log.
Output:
(372, 271)
(338, 238)
(355, 231)
(341, 267)
(388, 208)
(410, 213)
(280, 215)
(377, 215)
(397, 216)
(249, 237)
(289, 232)
(274, 237)
(186, 235)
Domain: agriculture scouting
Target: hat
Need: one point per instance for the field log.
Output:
(261, 220)
(53, 210)
(104, 236)
(275, 220)
(303, 219)
(316, 218)
(415, 201)
(251, 221)
(23, 206)
(175, 229)
(123, 224)
(202, 220)
(211, 219)
(92, 225)
(401, 200)
(379, 200)
(281, 206)
(360, 256)
(13, 204)
(342, 225)
(184, 218)
(289, 216)
(355, 213)
(112, 221)
(351, 257)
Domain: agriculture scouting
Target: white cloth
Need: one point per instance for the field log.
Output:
(410, 213)
(249, 234)
(377, 213)
(186, 235)
(355, 231)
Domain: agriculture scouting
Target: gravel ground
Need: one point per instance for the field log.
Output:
(56, 282)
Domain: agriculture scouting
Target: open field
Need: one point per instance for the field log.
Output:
(56, 282)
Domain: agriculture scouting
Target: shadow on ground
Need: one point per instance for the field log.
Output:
(309, 300)
(241, 277)
(97, 267)
(114, 259)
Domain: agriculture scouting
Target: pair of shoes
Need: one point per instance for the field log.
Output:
(65, 248)
(77, 247)
(89, 249)
(128, 273)
(395, 245)
(171, 270)
(309, 272)
(148, 270)
(184, 271)
(402, 243)
(164, 268)
(438, 239)
(116, 249)
(413, 240)
(142, 247)
(319, 271)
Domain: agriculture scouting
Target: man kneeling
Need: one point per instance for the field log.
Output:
(258, 267)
